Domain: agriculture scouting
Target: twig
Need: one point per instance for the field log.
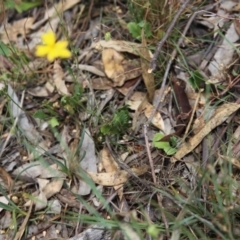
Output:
(153, 63)
(154, 178)
(192, 115)
(149, 153)
(173, 55)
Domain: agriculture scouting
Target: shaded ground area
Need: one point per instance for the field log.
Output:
(119, 119)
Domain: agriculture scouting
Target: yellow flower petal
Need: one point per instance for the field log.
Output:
(52, 55)
(61, 44)
(42, 50)
(49, 38)
(52, 49)
(65, 53)
(61, 49)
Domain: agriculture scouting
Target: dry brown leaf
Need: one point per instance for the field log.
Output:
(147, 77)
(115, 178)
(236, 7)
(101, 83)
(113, 67)
(20, 27)
(120, 46)
(4, 175)
(220, 115)
(136, 100)
(107, 161)
(111, 166)
(53, 187)
(58, 79)
(39, 92)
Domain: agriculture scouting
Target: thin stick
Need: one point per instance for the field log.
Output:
(173, 55)
(153, 63)
(192, 115)
(154, 178)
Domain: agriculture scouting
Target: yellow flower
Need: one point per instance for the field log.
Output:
(52, 49)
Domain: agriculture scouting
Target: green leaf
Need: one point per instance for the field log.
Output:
(165, 146)
(196, 80)
(157, 137)
(170, 150)
(119, 123)
(147, 30)
(22, 6)
(105, 129)
(134, 29)
(40, 114)
(153, 230)
(107, 36)
(141, 24)
(4, 49)
(161, 145)
(53, 122)
(173, 141)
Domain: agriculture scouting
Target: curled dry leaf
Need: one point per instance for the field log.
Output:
(220, 115)
(118, 69)
(112, 61)
(117, 177)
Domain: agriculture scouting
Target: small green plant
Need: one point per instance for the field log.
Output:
(118, 124)
(153, 230)
(72, 103)
(196, 80)
(136, 29)
(107, 36)
(168, 147)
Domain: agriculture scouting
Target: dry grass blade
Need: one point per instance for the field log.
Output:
(23, 226)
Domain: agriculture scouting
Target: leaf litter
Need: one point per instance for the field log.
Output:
(63, 147)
